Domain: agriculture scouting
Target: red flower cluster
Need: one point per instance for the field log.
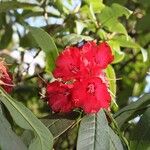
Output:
(82, 81)
(5, 78)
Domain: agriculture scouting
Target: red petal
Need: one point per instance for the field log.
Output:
(69, 65)
(59, 97)
(91, 95)
(104, 55)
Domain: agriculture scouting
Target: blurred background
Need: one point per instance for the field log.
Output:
(124, 24)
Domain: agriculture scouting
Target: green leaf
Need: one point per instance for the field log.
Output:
(12, 5)
(102, 34)
(27, 41)
(124, 41)
(80, 26)
(132, 110)
(8, 139)
(6, 37)
(58, 124)
(72, 39)
(111, 76)
(97, 5)
(43, 139)
(46, 43)
(109, 18)
(95, 134)
(110, 73)
(139, 139)
(144, 54)
(118, 54)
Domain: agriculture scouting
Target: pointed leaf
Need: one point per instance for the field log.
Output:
(95, 134)
(46, 43)
(132, 110)
(8, 139)
(25, 118)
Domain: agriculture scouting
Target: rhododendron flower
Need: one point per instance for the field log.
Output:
(91, 95)
(5, 78)
(83, 67)
(59, 96)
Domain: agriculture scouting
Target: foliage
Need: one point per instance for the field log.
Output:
(33, 32)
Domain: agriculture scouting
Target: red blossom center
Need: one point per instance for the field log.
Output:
(91, 88)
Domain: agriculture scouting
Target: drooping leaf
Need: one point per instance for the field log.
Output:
(46, 43)
(95, 133)
(43, 139)
(139, 139)
(58, 124)
(8, 139)
(132, 110)
(12, 5)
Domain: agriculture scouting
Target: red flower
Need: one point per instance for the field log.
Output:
(83, 66)
(91, 95)
(88, 60)
(69, 65)
(59, 96)
(5, 78)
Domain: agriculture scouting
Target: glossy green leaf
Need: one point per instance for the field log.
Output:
(12, 5)
(46, 43)
(43, 139)
(132, 110)
(95, 134)
(139, 139)
(8, 139)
